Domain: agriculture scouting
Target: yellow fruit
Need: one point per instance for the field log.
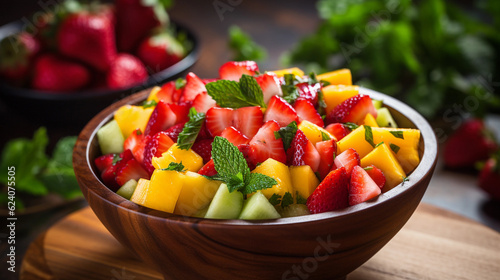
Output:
(196, 194)
(383, 158)
(162, 191)
(153, 94)
(337, 77)
(296, 71)
(356, 140)
(189, 158)
(304, 180)
(280, 173)
(370, 120)
(336, 94)
(313, 132)
(130, 117)
(407, 155)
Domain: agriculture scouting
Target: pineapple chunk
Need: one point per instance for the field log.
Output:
(356, 140)
(336, 94)
(304, 180)
(296, 71)
(280, 173)
(383, 158)
(153, 94)
(130, 117)
(189, 158)
(337, 77)
(313, 132)
(407, 154)
(370, 120)
(196, 194)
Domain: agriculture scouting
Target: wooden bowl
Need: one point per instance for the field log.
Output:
(321, 246)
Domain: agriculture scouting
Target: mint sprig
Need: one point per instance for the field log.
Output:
(191, 129)
(174, 166)
(397, 134)
(395, 148)
(287, 134)
(369, 135)
(232, 94)
(290, 92)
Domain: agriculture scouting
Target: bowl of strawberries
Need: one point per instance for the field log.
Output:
(78, 58)
(256, 175)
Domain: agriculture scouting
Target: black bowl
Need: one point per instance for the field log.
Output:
(80, 106)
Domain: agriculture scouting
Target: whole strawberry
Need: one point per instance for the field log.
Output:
(16, 54)
(55, 73)
(489, 178)
(135, 19)
(160, 51)
(125, 71)
(471, 143)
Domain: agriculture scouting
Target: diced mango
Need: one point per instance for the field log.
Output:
(296, 71)
(189, 158)
(304, 180)
(153, 94)
(370, 120)
(313, 132)
(335, 94)
(356, 140)
(337, 77)
(280, 173)
(161, 192)
(383, 158)
(405, 150)
(130, 117)
(196, 193)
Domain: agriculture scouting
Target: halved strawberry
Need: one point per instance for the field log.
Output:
(193, 87)
(232, 70)
(362, 187)
(338, 130)
(377, 175)
(162, 118)
(104, 161)
(109, 174)
(306, 111)
(331, 194)
(169, 93)
(245, 149)
(217, 119)
(132, 169)
(352, 110)
(326, 150)
(248, 120)
(181, 112)
(347, 159)
(281, 111)
(204, 133)
(173, 132)
(203, 102)
(155, 147)
(136, 143)
(302, 152)
(204, 149)
(270, 84)
(208, 169)
(309, 92)
(264, 145)
(234, 136)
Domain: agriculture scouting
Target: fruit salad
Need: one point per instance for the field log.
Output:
(255, 145)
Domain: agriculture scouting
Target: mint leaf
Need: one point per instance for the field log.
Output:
(287, 200)
(251, 89)
(257, 181)
(228, 160)
(174, 166)
(233, 94)
(369, 135)
(290, 92)
(300, 199)
(275, 199)
(381, 143)
(397, 134)
(324, 136)
(149, 103)
(180, 83)
(287, 134)
(394, 148)
(236, 182)
(191, 129)
(351, 126)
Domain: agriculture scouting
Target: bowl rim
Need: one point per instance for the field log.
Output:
(84, 164)
(153, 79)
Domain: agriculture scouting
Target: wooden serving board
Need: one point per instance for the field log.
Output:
(434, 244)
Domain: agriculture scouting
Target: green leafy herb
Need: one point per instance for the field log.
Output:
(290, 92)
(378, 144)
(286, 200)
(369, 135)
(243, 46)
(174, 166)
(405, 179)
(287, 134)
(191, 130)
(180, 83)
(395, 148)
(149, 103)
(351, 126)
(325, 136)
(368, 168)
(233, 94)
(300, 199)
(324, 83)
(250, 88)
(275, 199)
(397, 133)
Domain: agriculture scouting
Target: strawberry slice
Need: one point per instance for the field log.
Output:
(306, 111)
(331, 194)
(309, 92)
(204, 133)
(264, 145)
(326, 150)
(270, 84)
(204, 149)
(155, 147)
(248, 120)
(203, 102)
(302, 152)
(162, 118)
(104, 161)
(217, 119)
(169, 93)
(233, 70)
(245, 149)
(193, 87)
(362, 187)
(181, 112)
(279, 110)
(173, 132)
(206, 81)
(338, 130)
(109, 174)
(132, 169)
(347, 159)
(376, 174)
(136, 142)
(234, 136)
(352, 110)
(208, 169)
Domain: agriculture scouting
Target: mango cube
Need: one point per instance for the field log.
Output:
(406, 149)
(296, 71)
(336, 94)
(280, 173)
(130, 117)
(304, 181)
(189, 158)
(313, 132)
(337, 77)
(383, 158)
(370, 120)
(153, 94)
(196, 194)
(356, 140)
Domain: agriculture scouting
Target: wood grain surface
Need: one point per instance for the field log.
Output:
(434, 244)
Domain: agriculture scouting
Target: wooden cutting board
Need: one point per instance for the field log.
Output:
(434, 244)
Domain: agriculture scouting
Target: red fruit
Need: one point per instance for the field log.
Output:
(279, 110)
(234, 136)
(309, 92)
(125, 70)
(270, 84)
(245, 149)
(326, 150)
(489, 178)
(338, 130)
(160, 51)
(306, 111)
(472, 142)
(204, 149)
(377, 175)
(352, 110)
(264, 145)
(362, 187)
(169, 93)
(347, 159)
(181, 112)
(206, 81)
(104, 161)
(136, 142)
(208, 169)
(88, 37)
(233, 70)
(131, 170)
(162, 118)
(248, 120)
(54, 73)
(16, 54)
(204, 133)
(302, 152)
(173, 132)
(134, 21)
(193, 87)
(155, 147)
(217, 119)
(331, 194)
(109, 174)
(203, 102)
